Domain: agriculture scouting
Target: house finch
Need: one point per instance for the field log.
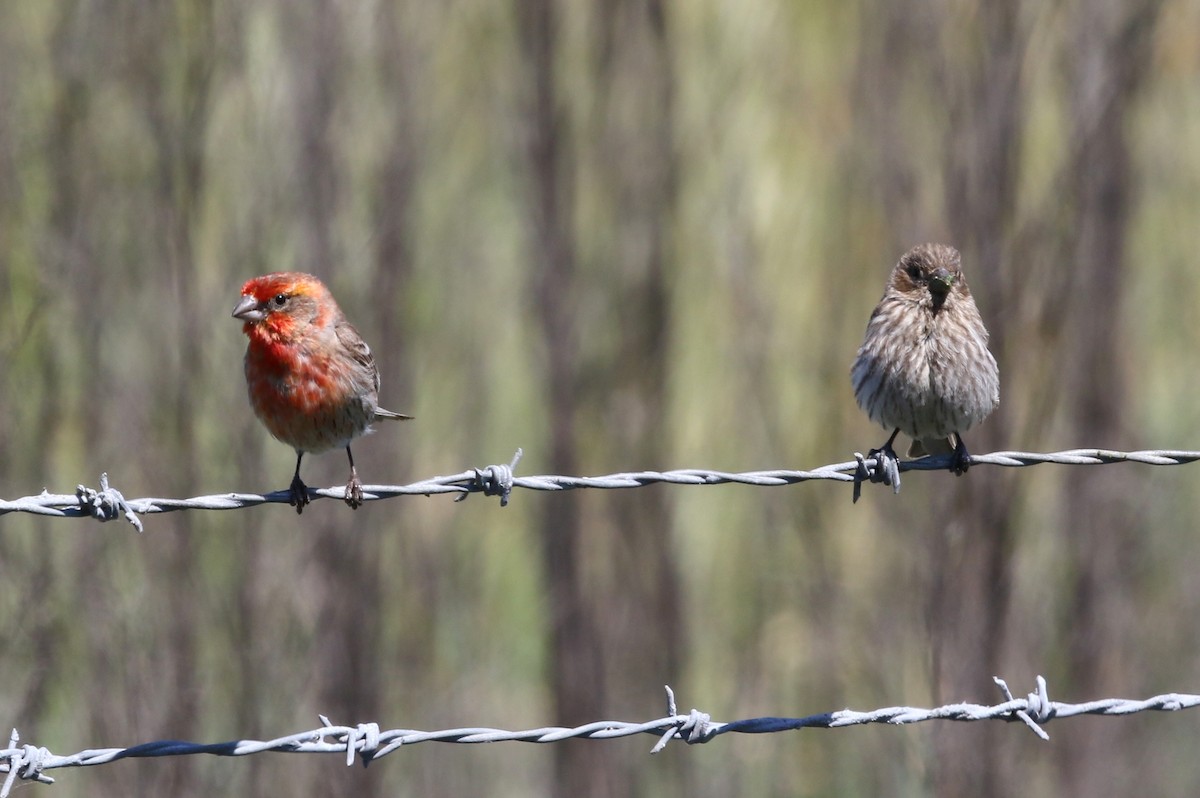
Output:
(924, 368)
(311, 377)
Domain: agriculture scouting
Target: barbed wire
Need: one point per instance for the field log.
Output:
(367, 742)
(108, 503)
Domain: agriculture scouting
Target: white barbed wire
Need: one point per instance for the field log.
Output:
(367, 742)
(107, 503)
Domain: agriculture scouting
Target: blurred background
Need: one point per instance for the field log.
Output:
(623, 235)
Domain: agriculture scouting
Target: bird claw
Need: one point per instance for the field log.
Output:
(354, 493)
(298, 494)
(886, 470)
(962, 459)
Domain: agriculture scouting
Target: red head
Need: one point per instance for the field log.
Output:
(281, 306)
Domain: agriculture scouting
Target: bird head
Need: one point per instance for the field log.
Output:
(282, 305)
(929, 272)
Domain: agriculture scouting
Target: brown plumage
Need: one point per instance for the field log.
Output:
(924, 368)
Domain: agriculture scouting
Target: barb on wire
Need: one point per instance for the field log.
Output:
(499, 480)
(367, 742)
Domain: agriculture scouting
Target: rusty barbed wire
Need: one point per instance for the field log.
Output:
(367, 742)
(108, 503)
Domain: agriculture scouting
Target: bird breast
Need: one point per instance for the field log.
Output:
(928, 373)
(305, 400)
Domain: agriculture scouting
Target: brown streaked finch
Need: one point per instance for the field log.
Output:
(311, 378)
(924, 368)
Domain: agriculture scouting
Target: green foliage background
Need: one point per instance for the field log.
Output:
(682, 282)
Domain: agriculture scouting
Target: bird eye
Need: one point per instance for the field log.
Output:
(280, 300)
(914, 271)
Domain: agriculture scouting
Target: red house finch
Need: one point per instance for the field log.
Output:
(924, 368)
(311, 377)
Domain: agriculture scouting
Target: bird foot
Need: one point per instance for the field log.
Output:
(298, 494)
(962, 459)
(886, 470)
(354, 492)
(888, 466)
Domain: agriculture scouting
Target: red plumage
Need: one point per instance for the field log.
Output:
(311, 378)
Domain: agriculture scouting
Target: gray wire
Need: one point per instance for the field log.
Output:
(108, 503)
(367, 742)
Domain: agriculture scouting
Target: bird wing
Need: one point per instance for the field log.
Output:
(357, 348)
(354, 344)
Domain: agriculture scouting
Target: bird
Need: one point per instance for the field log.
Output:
(311, 378)
(924, 367)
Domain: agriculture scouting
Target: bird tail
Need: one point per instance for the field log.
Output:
(930, 446)
(388, 415)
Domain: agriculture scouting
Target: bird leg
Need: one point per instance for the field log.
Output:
(887, 447)
(298, 490)
(962, 460)
(354, 491)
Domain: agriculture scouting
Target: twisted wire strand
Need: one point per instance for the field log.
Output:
(368, 742)
(108, 504)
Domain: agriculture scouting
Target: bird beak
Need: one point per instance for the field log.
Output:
(248, 310)
(940, 282)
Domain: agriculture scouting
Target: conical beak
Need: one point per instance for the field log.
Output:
(249, 310)
(940, 282)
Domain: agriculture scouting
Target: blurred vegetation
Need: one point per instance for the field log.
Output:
(622, 235)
